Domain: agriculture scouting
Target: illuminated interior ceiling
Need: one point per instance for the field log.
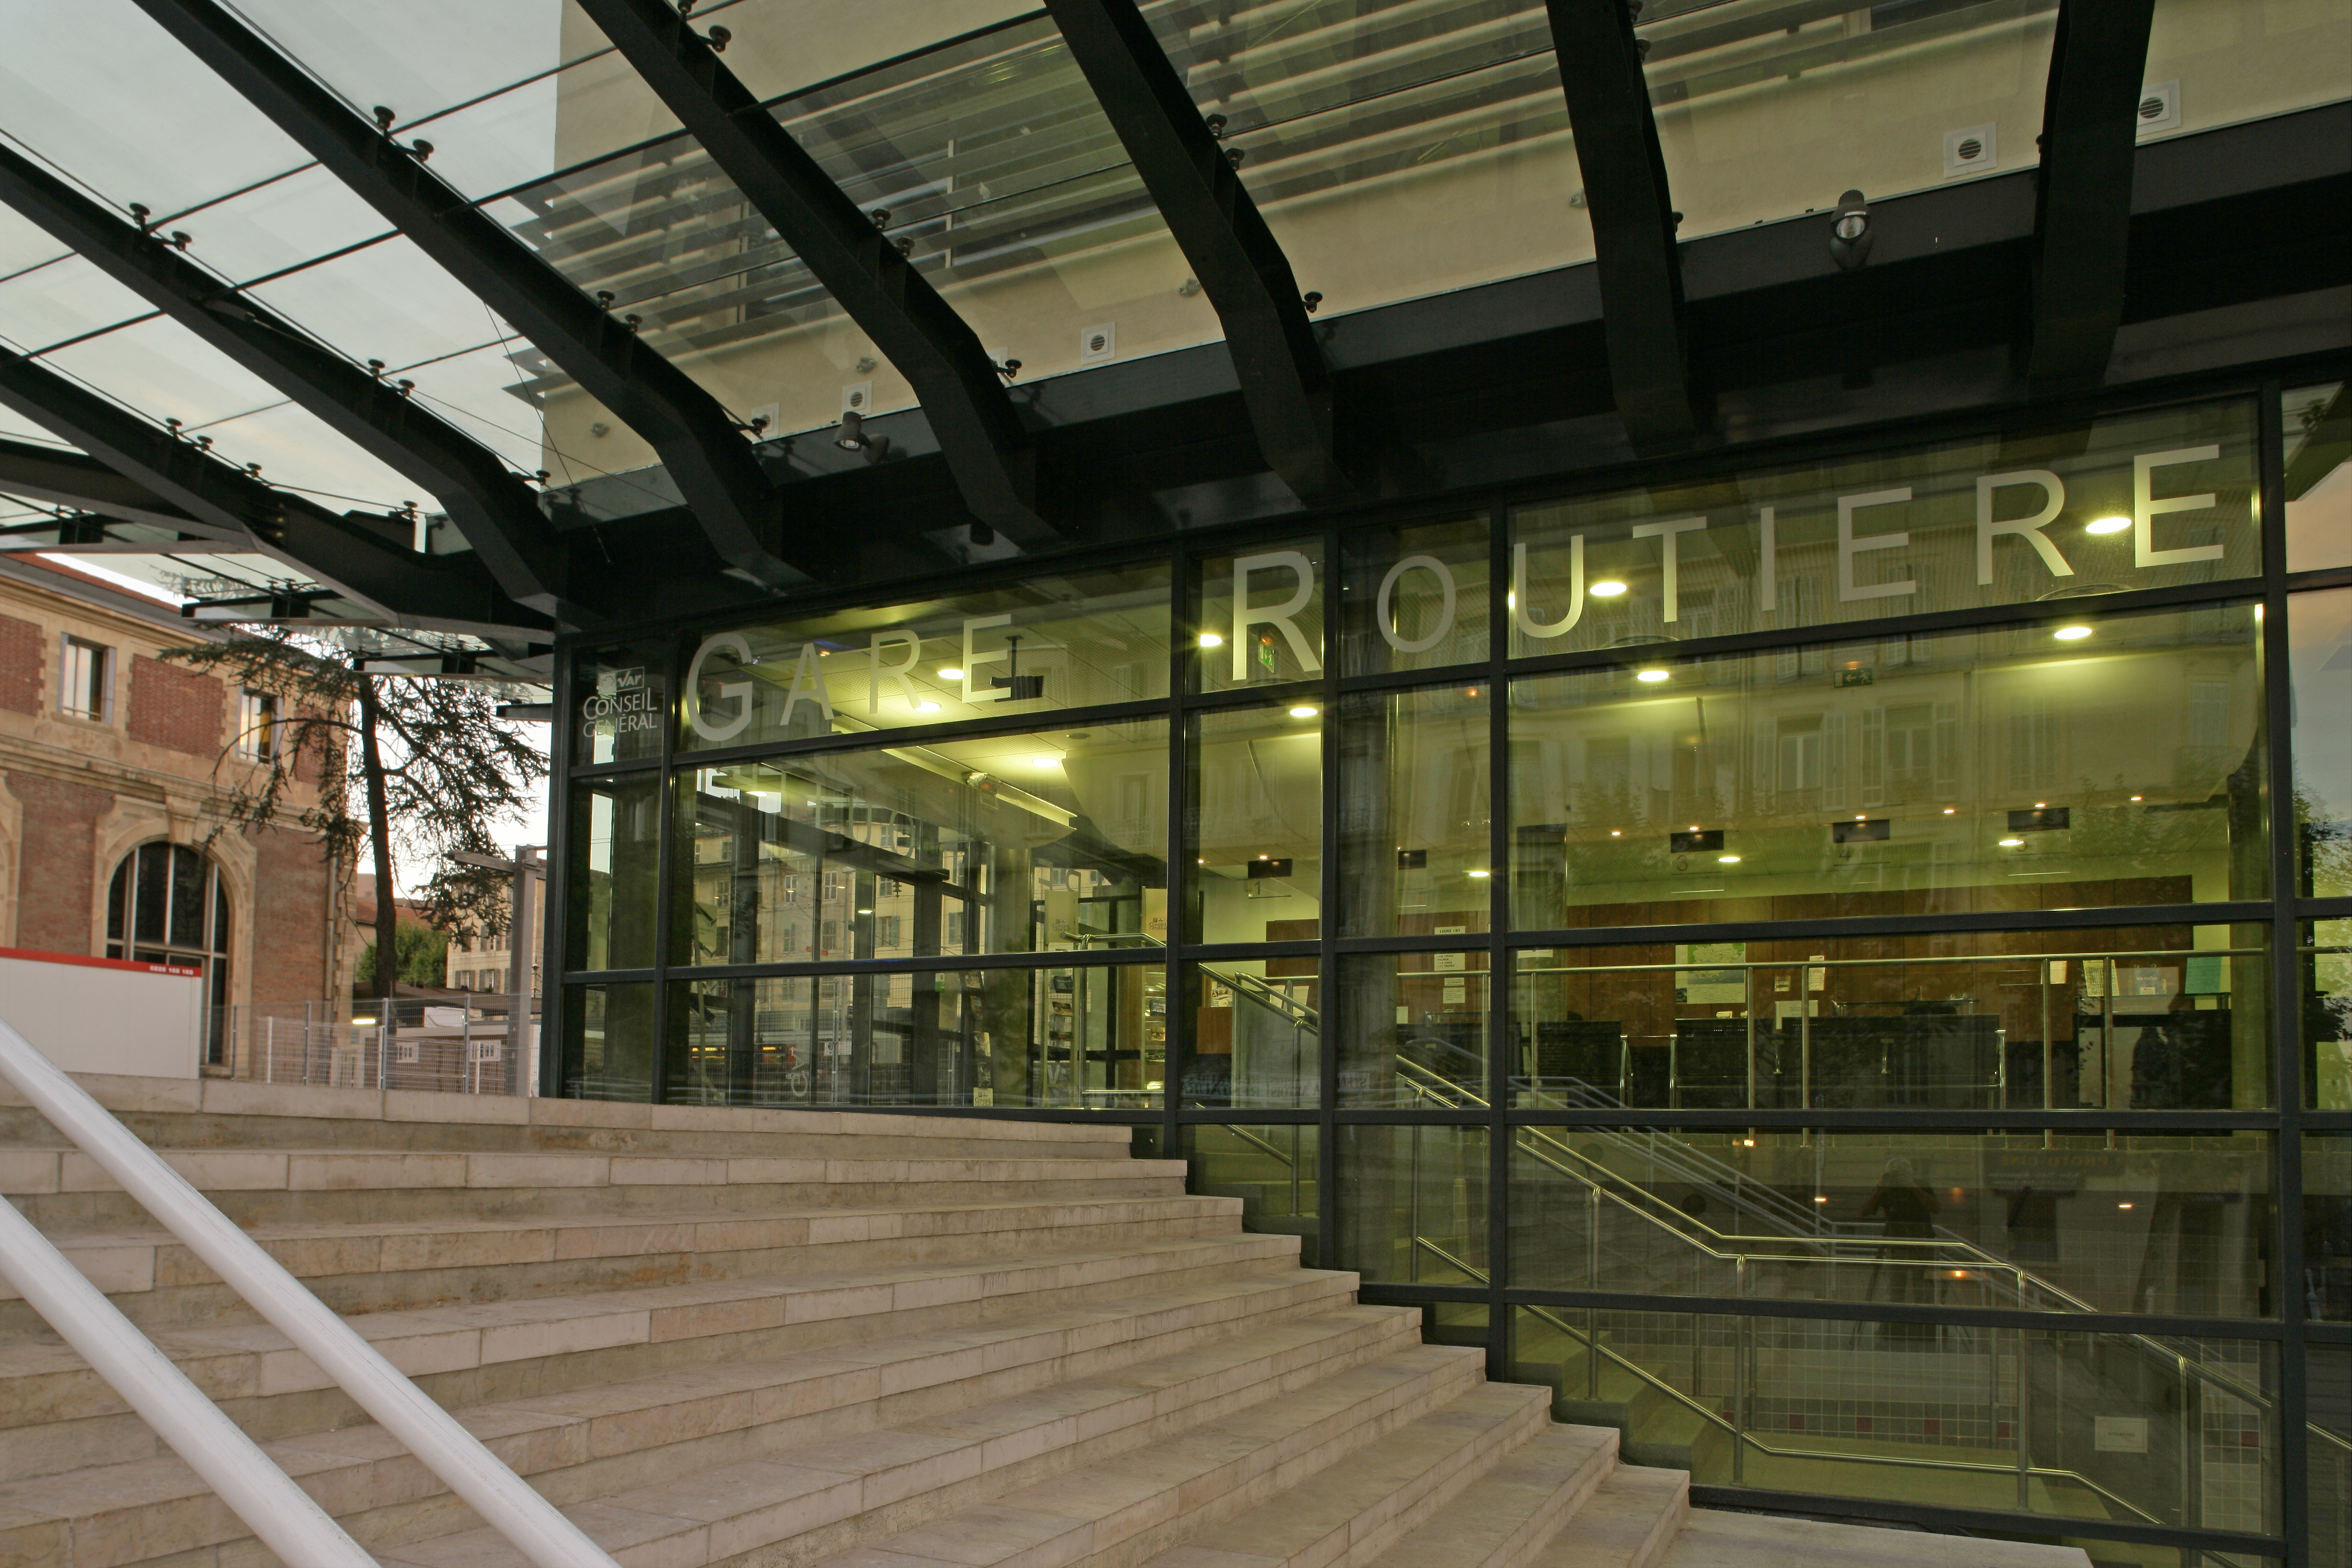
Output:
(465, 327)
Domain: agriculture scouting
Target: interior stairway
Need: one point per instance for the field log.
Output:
(786, 1338)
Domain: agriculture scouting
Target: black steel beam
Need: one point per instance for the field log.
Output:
(364, 558)
(1635, 257)
(78, 480)
(733, 499)
(2083, 199)
(493, 507)
(1285, 384)
(978, 429)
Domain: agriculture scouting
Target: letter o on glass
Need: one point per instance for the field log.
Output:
(1388, 586)
(741, 691)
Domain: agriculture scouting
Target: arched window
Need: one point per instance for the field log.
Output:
(168, 905)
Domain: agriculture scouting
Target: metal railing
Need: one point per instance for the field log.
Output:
(477, 1043)
(2027, 1290)
(444, 1447)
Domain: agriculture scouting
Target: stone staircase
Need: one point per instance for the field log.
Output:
(784, 1338)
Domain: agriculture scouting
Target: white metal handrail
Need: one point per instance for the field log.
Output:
(455, 1455)
(285, 1518)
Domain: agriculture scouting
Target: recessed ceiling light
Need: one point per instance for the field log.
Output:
(927, 707)
(950, 673)
(1210, 639)
(1653, 676)
(1616, 832)
(2136, 798)
(1607, 588)
(1951, 810)
(2071, 634)
(1304, 711)
(1043, 762)
(1481, 873)
(2107, 525)
(1728, 859)
(2011, 843)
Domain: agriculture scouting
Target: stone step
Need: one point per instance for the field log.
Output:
(63, 1418)
(929, 1488)
(1504, 1518)
(1628, 1522)
(1711, 1540)
(1349, 1515)
(229, 1112)
(584, 1450)
(520, 1187)
(390, 1266)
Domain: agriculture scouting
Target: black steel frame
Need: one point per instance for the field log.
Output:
(1168, 1130)
(738, 507)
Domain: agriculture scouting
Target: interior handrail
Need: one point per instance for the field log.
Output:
(1990, 1264)
(281, 1515)
(455, 1455)
(1740, 1434)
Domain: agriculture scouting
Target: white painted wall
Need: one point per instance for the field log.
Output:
(101, 1015)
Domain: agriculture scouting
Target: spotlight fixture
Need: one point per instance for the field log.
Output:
(1607, 588)
(1653, 675)
(1849, 236)
(950, 673)
(852, 437)
(1043, 762)
(1210, 639)
(2107, 525)
(1304, 711)
(2072, 634)
(980, 535)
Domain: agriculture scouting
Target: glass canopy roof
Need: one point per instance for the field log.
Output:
(1398, 148)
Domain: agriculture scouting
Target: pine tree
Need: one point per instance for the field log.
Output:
(429, 764)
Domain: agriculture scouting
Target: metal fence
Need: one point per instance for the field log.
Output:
(480, 1044)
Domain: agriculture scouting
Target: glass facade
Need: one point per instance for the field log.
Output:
(1838, 967)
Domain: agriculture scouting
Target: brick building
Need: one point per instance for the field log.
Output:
(115, 771)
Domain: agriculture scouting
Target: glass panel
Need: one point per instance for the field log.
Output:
(435, 54)
(82, 87)
(2327, 1387)
(2217, 62)
(1258, 617)
(2318, 424)
(2154, 1018)
(187, 898)
(1374, 200)
(1415, 598)
(2177, 1223)
(1413, 1030)
(988, 160)
(2326, 987)
(2319, 664)
(1253, 824)
(608, 1042)
(616, 865)
(1256, 1034)
(387, 301)
(1272, 1169)
(2140, 500)
(1767, 112)
(1051, 641)
(25, 244)
(2181, 1431)
(1085, 1038)
(2102, 761)
(151, 898)
(1415, 814)
(621, 698)
(1008, 844)
(62, 300)
(282, 223)
(1412, 1203)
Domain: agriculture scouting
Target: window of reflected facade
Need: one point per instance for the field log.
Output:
(1837, 966)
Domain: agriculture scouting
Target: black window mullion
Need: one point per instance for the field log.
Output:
(664, 868)
(2285, 971)
(1331, 1011)
(1502, 1029)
